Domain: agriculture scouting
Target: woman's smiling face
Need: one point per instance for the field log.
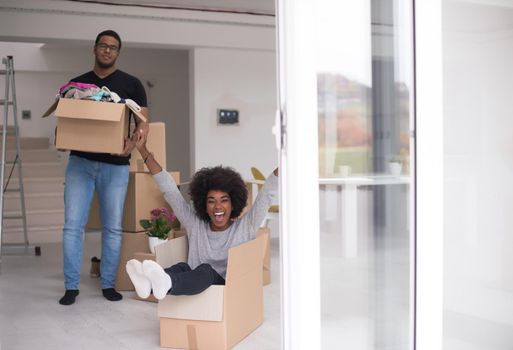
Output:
(219, 209)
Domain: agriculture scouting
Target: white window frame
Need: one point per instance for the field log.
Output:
(429, 175)
(299, 196)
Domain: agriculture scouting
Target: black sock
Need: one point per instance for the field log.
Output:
(111, 294)
(69, 297)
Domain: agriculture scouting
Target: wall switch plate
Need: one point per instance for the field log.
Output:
(25, 114)
(227, 116)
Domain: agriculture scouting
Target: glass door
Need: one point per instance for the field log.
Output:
(347, 170)
(365, 118)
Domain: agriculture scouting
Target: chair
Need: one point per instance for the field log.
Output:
(274, 209)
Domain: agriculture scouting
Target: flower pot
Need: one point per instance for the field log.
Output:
(153, 242)
(344, 170)
(395, 168)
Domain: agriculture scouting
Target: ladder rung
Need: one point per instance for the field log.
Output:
(11, 130)
(2, 102)
(3, 72)
(14, 216)
(13, 190)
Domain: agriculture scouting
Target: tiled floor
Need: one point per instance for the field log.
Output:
(32, 318)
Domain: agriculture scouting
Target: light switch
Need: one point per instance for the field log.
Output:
(227, 116)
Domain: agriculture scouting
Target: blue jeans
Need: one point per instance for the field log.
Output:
(83, 178)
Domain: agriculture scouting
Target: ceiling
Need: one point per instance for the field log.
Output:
(261, 7)
(474, 17)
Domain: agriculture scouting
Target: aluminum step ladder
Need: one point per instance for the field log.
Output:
(10, 107)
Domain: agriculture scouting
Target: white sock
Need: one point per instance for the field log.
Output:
(160, 280)
(141, 283)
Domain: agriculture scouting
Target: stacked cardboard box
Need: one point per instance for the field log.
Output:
(142, 196)
(131, 243)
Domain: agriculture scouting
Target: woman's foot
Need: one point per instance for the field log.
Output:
(160, 280)
(141, 283)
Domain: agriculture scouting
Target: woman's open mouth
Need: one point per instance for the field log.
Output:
(219, 216)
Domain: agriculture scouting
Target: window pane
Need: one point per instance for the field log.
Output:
(365, 104)
(478, 168)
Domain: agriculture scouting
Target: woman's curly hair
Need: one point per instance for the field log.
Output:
(217, 178)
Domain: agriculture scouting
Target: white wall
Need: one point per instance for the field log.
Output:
(242, 80)
(478, 109)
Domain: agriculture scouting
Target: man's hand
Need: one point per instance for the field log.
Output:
(129, 145)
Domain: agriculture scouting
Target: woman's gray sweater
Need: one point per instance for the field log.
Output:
(211, 247)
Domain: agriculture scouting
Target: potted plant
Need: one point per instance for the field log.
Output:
(395, 165)
(158, 226)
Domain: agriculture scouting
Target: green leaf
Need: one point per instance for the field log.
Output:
(145, 224)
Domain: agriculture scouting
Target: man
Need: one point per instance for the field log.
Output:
(107, 174)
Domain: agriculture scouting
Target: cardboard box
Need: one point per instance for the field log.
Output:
(156, 144)
(264, 231)
(90, 126)
(130, 244)
(221, 316)
(177, 255)
(142, 196)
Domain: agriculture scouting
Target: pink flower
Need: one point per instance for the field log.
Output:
(155, 213)
(160, 222)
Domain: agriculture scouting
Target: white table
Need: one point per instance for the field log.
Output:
(349, 203)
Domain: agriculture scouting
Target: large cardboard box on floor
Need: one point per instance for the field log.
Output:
(131, 243)
(221, 316)
(178, 252)
(264, 231)
(156, 144)
(142, 196)
(85, 125)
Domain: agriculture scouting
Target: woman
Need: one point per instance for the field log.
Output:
(213, 226)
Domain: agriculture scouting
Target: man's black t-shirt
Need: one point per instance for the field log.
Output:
(126, 86)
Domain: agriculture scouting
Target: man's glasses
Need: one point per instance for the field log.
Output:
(104, 47)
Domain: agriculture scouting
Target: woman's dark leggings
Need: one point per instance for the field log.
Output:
(186, 281)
